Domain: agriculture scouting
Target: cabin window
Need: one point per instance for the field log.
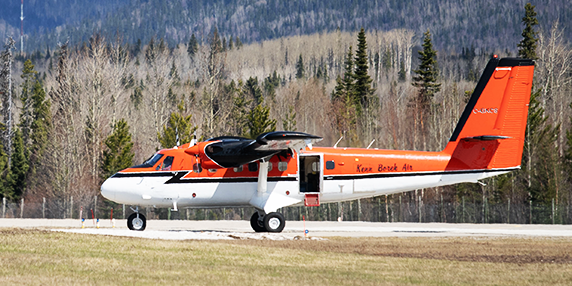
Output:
(282, 166)
(315, 167)
(167, 163)
(253, 167)
(330, 165)
(197, 168)
(269, 166)
(238, 169)
(212, 170)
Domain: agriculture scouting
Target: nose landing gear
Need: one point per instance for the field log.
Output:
(136, 221)
(271, 222)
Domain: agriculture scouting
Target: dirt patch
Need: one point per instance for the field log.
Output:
(497, 250)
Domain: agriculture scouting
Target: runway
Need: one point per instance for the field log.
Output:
(182, 230)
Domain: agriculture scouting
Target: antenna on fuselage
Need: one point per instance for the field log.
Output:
(336, 145)
(370, 144)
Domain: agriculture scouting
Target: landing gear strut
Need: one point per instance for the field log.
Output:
(271, 222)
(136, 221)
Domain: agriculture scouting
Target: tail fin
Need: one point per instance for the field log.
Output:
(490, 133)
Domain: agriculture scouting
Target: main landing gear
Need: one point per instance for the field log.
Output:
(271, 222)
(136, 221)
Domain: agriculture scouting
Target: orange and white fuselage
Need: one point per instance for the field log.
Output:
(226, 172)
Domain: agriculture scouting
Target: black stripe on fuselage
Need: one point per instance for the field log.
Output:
(177, 177)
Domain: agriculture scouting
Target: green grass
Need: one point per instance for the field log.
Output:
(44, 257)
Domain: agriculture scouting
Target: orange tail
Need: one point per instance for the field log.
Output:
(490, 133)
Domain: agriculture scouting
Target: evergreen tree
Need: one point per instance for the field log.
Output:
(238, 43)
(252, 90)
(539, 164)
(427, 73)
(539, 159)
(26, 116)
(40, 127)
(230, 43)
(362, 87)
(178, 130)
(5, 191)
(402, 75)
(348, 79)
(344, 101)
(259, 120)
(568, 153)
(426, 82)
(300, 68)
(240, 105)
(16, 181)
(174, 74)
(527, 46)
(289, 123)
(118, 154)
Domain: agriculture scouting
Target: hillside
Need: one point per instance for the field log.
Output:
(485, 24)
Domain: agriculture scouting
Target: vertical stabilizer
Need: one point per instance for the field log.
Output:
(490, 133)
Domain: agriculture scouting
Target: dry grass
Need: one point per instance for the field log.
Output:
(480, 249)
(42, 257)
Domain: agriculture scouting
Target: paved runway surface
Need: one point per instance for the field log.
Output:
(181, 230)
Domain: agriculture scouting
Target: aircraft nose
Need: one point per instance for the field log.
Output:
(108, 190)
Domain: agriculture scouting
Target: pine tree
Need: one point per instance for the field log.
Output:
(178, 130)
(427, 73)
(5, 191)
(240, 105)
(567, 160)
(426, 82)
(300, 70)
(362, 88)
(343, 98)
(230, 43)
(259, 120)
(348, 79)
(539, 165)
(16, 181)
(252, 90)
(27, 86)
(40, 127)
(238, 43)
(527, 46)
(289, 123)
(539, 162)
(118, 154)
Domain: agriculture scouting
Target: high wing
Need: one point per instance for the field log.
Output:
(228, 152)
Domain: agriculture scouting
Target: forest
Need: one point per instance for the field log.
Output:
(486, 24)
(75, 114)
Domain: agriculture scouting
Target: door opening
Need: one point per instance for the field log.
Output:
(310, 174)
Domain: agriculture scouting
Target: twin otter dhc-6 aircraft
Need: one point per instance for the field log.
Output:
(281, 169)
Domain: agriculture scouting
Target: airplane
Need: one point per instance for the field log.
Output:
(282, 168)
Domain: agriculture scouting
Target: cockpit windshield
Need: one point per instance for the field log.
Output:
(150, 162)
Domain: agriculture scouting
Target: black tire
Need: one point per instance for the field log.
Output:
(256, 224)
(134, 223)
(274, 222)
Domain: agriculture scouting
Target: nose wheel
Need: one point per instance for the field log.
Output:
(136, 221)
(271, 222)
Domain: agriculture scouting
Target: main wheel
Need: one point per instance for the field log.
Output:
(274, 222)
(135, 222)
(256, 223)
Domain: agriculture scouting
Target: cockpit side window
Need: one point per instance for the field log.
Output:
(167, 163)
(150, 162)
